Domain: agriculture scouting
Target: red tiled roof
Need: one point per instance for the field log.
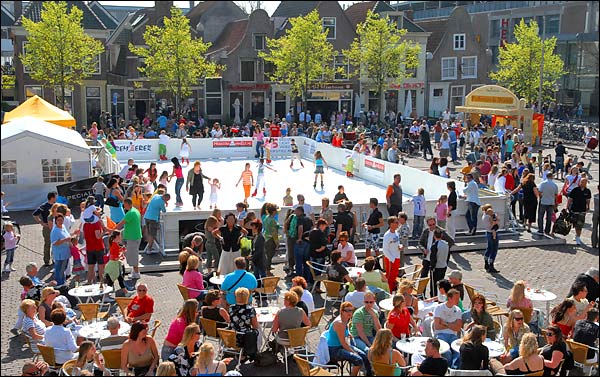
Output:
(231, 36)
(357, 13)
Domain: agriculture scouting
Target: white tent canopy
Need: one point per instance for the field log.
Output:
(36, 157)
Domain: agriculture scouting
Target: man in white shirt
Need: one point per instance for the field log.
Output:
(471, 196)
(391, 251)
(125, 169)
(308, 209)
(448, 323)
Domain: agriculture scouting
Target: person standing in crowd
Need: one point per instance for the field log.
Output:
(426, 241)
(229, 235)
(41, 216)
(579, 205)
(530, 201)
(490, 223)
(132, 235)
(373, 226)
(61, 248)
(440, 254)
(596, 219)
(157, 205)
(195, 184)
(94, 245)
(547, 191)
(393, 196)
(114, 191)
(471, 196)
(560, 152)
(452, 205)
(426, 141)
(419, 209)
(178, 173)
(391, 251)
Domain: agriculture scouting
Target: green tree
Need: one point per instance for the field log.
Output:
(173, 59)
(382, 53)
(58, 51)
(303, 55)
(519, 64)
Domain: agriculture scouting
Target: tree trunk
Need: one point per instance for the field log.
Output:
(381, 102)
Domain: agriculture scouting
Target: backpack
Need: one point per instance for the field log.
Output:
(562, 226)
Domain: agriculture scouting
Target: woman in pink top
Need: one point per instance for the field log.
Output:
(178, 173)
(187, 315)
(517, 299)
(192, 278)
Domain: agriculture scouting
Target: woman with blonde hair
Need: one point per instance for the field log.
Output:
(382, 351)
(206, 365)
(513, 332)
(166, 368)
(184, 355)
(529, 360)
(289, 317)
(517, 297)
(406, 288)
(183, 258)
(244, 322)
(187, 315)
(89, 360)
(192, 278)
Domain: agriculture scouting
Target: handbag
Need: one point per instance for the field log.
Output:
(111, 202)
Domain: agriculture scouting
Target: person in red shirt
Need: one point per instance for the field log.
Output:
(275, 130)
(399, 319)
(94, 246)
(141, 307)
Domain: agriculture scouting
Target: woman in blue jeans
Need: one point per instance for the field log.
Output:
(490, 222)
(339, 349)
(178, 173)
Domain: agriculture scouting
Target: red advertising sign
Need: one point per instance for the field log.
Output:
(503, 31)
(374, 165)
(408, 85)
(231, 143)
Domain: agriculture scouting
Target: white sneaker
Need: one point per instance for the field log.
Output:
(135, 275)
(6, 269)
(578, 241)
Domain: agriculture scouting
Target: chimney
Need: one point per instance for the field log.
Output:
(18, 9)
(163, 8)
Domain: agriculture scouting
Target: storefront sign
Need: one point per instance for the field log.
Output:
(331, 85)
(492, 96)
(374, 170)
(231, 143)
(408, 85)
(249, 87)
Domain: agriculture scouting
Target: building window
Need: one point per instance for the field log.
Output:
(468, 67)
(258, 105)
(248, 71)
(141, 64)
(449, 68)
(56, 170)
(93, 104)
(213, 97)
(33, 90)
(552, 24)
(459, 41)
(329, 25)
(342, 67)
(280, 107)
(475, 86)
(391, 103)
(438, 92)
(68, 100)
(259, 41)
(269, 70)
(26, 69)
(97, 65)
(457, 96)
(494, 29)
(9, 172)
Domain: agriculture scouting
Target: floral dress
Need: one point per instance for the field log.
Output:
(241, 320)
(184, 362)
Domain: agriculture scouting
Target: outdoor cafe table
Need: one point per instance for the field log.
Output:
(496, 349)
(355, 272)
(541, 295)
(217, 280)
(98, 330)
(88, 292)
(416, 345)
(265, 317)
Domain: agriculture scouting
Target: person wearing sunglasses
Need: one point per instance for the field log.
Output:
(554, 351)
(365, 322)
(513, 333)
(34, 368)
(529, 360)
(184, 355)
(141, 307)
(337, 341)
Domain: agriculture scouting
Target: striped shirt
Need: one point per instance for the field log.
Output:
(247, 177)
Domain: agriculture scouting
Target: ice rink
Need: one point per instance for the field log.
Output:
(299, 179)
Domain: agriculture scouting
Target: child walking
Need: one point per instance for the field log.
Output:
(441, 211)
(78, 270)
(10, 244)
(319, 163)
(184, 151)
(215, 186)
(115, 269)
(247, 180)
(260, 177)
(419, 212)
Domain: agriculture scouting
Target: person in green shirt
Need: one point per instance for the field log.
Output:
(132, 235)
(271, 233)
(365, 323)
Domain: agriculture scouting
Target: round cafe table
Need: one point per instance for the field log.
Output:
(355, 272)
(541, 295)
(496, 349)
(416, 345)
(217, 280)
(98, 330)
(386, 304)
(265, 317)
(88, 292)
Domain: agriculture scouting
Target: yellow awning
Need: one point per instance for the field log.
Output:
(37, 107)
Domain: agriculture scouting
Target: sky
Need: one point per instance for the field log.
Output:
(268, 6)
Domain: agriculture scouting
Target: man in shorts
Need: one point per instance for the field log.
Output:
(579, 204)
(373, 227)
(132, 235)
(94, 244)
(157, 205)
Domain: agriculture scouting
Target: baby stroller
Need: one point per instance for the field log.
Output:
(562, 225)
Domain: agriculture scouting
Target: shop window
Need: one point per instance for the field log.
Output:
(56, 170)
(280, 107)
(329, 25)
(449, 68)
(232, 103)
(248, 71)
(468, 67)
(258, 105)
(494, 29)
(459, 41)
(9, 172)
(269, 70)
(391, 101)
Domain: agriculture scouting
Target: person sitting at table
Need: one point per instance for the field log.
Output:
(114, 341)
(455, 278)
(554, 351)
(184, 355)
(35, 368)
(239, 278)
(375, 279)
(299, 291)
(213, 310)
(289, 317)
(166, 368)
(512, 333)
(443, 287)
(382, 351)
(399, 320)
(517, 299)
(586, 331)
(406, 289)
(193, 279)
(481, 317)
(139, 352)
(339, 349)
(71, 320)
(434, 364)
(578, 294)
(528, 362)
(32, 326)
(306, 297)
(357, 297)
(186, 316)
(564, 315)
(183, 258)
(141, 306)
(244, 321)
(89, 360)
(347, 250)
(474, 355)
(365, 322)
(207, 364)
(60, 337)
(45, 306)
(337, 272)
(448, 322)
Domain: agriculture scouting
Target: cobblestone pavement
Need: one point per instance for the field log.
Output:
(553, 268)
